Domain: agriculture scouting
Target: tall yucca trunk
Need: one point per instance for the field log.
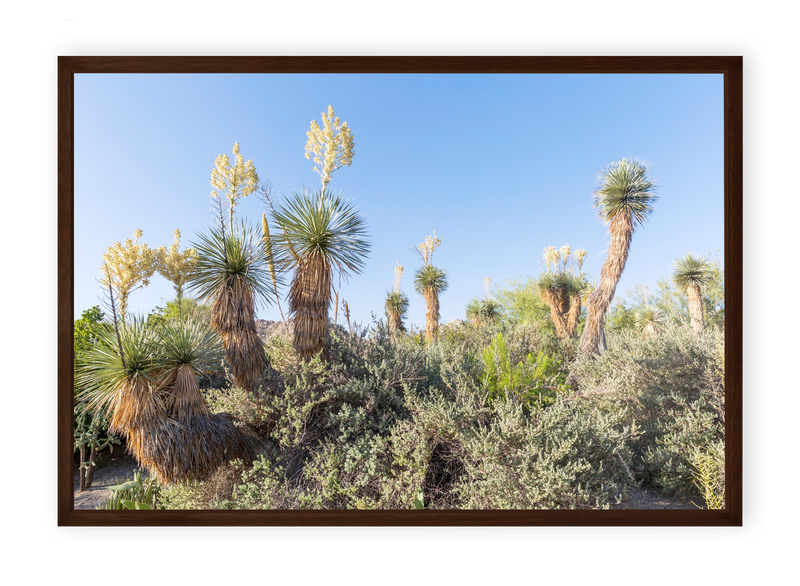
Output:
(431, 314)
(233, 316)
(599, 301)
(395, 322)
(574, 315)
(695, 308)
(555, 301)
(309, 301)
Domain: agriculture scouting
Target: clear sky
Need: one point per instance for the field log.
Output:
(500, 166)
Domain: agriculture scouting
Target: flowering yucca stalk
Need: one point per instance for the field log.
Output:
(332, 146)
(233, 181)
(176, 266)
(127, 267)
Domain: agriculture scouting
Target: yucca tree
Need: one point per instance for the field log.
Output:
(481, 312)
(321, 235)
(649, 319)
(691, 275)
(396, 307)
(624, 200)
(232, 274)
(145, 379)
(431, 281)
(561, 287)
(201, 441)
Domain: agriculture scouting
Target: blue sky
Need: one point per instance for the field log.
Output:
(500, 166)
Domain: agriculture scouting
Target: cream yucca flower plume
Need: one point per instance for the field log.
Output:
(398, 275)
(425, 250)
(332, 145)
(176, 266)
(127, 267)
(234, 181)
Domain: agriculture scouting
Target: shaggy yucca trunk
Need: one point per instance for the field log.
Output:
(233, 316)
(597, 304)
(171, 432)
(573, 315)
(395, 322)
(309, 301)
(556, 301)
(695, 308)
(431, 314)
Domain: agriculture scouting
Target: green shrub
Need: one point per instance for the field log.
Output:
(533, 381)
(669, 385)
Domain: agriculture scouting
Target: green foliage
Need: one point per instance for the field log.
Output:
(86, 331)
(473, 420)
(136, 494)
(709, 475)
(188, 309)
(624, 186)
(669, 386)
(481, 311)
(533, 381)
(522, 304)
(430, 278)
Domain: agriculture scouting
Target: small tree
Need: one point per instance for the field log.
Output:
(332, 146)
(126, 268)
(90, 428)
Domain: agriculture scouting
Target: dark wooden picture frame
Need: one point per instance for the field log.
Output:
(730, 67)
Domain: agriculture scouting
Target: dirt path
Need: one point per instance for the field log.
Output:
(112, 469)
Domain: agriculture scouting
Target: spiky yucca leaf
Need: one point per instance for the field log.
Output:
(691, 271)
(239, 256)
(103, 371)
(192, 342)
(625, 187)
(321, 222)
(649, 319)
(482, 311)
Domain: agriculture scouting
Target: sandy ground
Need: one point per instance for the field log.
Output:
(112, 469)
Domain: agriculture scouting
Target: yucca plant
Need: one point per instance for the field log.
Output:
(649, 319)
(481, 312)
(201, 441)
(561, 286)
(396, 304)
(233, 275)
(321, 236)
(146, 379)
(624, 200)
(691, 275)
(396, 307)
(430, 281)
